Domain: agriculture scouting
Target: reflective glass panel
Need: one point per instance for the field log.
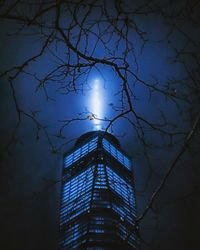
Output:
(80, 152)
(116, 154)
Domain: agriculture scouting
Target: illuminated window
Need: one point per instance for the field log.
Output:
(116, 154)
(76, 195)
(97, 230)
(80, 152)
(76, 186)
(126, 192)
(100, 181)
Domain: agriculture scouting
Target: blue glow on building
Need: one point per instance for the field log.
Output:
(117, 154)
(80, 152)
(97, 209)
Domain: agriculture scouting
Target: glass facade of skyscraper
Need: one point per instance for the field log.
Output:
(97, 209)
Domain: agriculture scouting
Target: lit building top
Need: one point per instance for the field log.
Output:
(98, 207)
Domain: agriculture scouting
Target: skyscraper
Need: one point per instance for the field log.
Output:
(97, 209)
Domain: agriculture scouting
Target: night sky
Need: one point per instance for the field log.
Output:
(143, 53)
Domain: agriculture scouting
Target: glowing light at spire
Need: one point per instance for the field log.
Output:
(96, 105)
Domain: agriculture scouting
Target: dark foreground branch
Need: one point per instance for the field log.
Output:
(170, 169)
